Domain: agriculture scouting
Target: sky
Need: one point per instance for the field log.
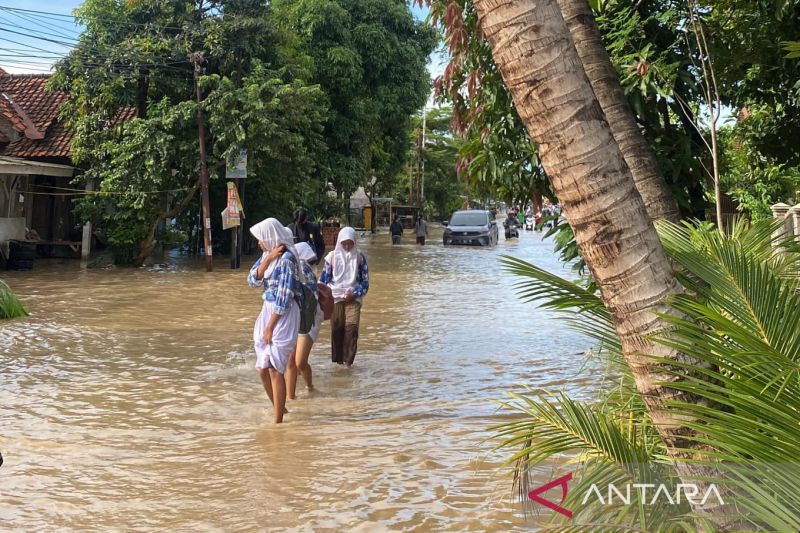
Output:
(16, 50)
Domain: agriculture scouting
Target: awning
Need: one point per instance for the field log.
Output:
(17, 166)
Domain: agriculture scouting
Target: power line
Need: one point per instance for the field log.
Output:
(55, 29)
(61, 16)
(37, 37)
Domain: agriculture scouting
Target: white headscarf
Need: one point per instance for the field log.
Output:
(272, 233)
(344, 264)
(306, 252)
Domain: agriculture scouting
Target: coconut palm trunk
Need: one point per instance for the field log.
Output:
(534, 51)
(641, 161)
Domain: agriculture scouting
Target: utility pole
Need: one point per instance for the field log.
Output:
(196, 58)
(422, 162)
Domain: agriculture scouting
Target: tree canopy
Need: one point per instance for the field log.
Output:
(317, 92)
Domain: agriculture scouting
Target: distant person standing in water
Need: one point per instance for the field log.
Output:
(421, 230)
(275, 332)
(396, 229)
(346, 273)
(305, 231)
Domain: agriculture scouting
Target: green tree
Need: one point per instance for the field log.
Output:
(369, 57)
(443, 187)
(757, 180)
(132, 60)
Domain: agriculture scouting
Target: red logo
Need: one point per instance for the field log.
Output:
(562, 481)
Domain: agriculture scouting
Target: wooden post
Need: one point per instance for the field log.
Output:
(196, 58)
(234, 245)
(240, 229)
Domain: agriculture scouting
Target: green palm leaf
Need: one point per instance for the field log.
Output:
(607, 448)
(745, 322)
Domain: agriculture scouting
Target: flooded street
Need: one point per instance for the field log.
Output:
(128, 399)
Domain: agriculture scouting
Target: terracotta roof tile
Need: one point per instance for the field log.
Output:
(55, 144)
(28, 91)
(41, 107)
(8, 112)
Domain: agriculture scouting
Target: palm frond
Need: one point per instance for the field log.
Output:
(583, 310)
(746, 324)
(605, 448)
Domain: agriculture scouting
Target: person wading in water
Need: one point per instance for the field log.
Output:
(275, 332)
(396, 229)
(346, 273)
(305, 341)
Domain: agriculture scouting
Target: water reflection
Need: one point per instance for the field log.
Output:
(129, 399)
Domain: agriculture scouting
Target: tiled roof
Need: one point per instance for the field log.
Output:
(28, 90)
(7, 111)
(30, 107)
(55, 144)
(24, 96)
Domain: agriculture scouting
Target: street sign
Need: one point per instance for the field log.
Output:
(237, 171)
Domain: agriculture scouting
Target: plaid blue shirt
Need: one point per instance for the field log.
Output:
(362, 279)
(282, 283)
(311, 279)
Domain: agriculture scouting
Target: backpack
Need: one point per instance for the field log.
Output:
(308, 310)
(307, 303)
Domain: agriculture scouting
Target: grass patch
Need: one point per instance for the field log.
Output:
(10, 306)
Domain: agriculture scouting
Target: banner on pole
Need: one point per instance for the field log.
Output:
(237, 171)
(233, 213)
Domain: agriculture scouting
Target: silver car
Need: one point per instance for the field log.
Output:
(471, 227)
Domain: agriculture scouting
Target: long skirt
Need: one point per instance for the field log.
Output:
(284, 337)
(344, 331)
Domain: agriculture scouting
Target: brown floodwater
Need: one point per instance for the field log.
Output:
(128, 399)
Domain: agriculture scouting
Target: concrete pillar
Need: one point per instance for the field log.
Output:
(86, 241)
(794, 215)
(779, 212)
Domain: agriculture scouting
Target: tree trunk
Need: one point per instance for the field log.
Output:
(147, 244)
(641, 161)
(535, 54)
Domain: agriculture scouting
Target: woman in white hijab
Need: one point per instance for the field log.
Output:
(346, 273)
(305, 341)
(275, 331)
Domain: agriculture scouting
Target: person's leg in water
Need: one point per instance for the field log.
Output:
(291, 373)
(302, 352)
(279, 394)
(266, 382)
(263, 373)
